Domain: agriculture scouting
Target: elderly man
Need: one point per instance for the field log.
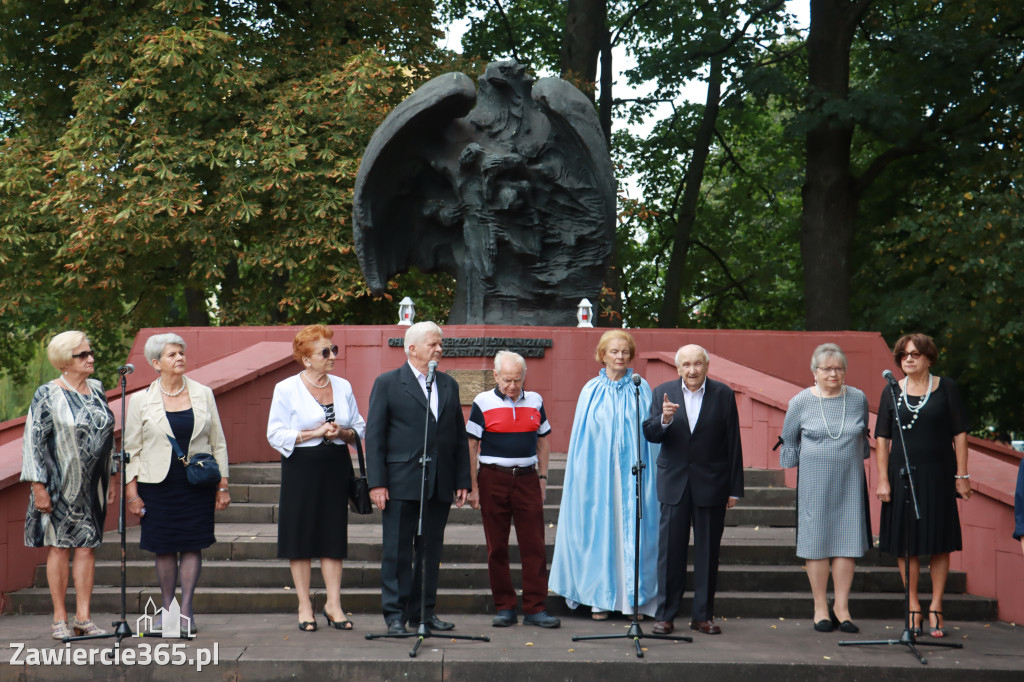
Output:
(508, 438)
(700, 475)
(394, 447)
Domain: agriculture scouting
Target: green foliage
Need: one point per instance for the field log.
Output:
(16, 396)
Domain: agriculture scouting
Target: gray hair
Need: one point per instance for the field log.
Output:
(707, 358)
(503, 356)
(62, 346)
(155, 345)
(417, 332)
(826, 351)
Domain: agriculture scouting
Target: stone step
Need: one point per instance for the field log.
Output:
(741, 515)
(276, 573)
(366, 600)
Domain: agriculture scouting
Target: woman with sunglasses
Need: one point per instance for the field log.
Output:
(177, 517)
(66, 456)
(312, 415)
(934, 427)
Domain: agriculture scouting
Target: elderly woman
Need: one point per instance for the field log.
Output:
(934, 429)
(66, 456)
(825, 437)
(312, 416)
(595, 544)
(177, 517)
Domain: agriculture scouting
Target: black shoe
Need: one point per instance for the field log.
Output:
(395, 627)
(848, 627)
(435, 623)
(504, 619)
(824, 625)
(541, 619)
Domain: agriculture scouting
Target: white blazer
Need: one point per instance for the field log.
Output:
(294, 409)
(146, 431)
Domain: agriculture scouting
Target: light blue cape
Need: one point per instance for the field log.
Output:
(594, 543)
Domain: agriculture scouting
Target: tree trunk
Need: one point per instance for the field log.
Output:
(830, 198)
(670, 307)
(585, 34)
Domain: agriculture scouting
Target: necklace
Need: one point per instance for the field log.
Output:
(85, 396)
(842, 424)
(914, 409)
(327, 380)
(176, 393)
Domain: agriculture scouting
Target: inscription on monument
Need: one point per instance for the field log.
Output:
(486, 346)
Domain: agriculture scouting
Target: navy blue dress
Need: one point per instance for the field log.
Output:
(179, 515)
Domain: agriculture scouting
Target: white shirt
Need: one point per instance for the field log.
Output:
(422, 378)
(294, 409)
(692, 400)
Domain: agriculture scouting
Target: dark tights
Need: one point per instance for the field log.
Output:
(169, 570)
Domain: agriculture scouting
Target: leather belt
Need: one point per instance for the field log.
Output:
(514, 471)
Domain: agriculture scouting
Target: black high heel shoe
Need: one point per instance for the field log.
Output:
(337, 624)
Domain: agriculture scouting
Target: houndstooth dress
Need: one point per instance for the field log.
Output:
(832, 515)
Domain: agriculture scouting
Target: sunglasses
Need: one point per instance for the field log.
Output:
(84, 354)
(326, 352)
(912, 354)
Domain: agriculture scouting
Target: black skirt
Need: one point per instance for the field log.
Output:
(312, 519)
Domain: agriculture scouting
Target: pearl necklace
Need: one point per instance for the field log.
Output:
(842, 424)
(327, 380)
(85, 396)
(176, 393)
(914, 409)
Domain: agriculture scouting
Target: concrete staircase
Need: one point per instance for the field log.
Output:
(761, 577)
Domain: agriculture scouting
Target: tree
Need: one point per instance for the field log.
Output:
(188, 162)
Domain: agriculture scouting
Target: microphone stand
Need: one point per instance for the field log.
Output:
(121, 628)
(908, 638)
(634, 632)
(423, 631)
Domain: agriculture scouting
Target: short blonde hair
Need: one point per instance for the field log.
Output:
(302, 344)
(825, 352)
(612, 335)
(62, 346)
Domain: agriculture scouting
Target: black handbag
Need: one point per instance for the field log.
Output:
(201, 468)
(358, 488)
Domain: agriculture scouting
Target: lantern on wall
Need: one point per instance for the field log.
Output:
(585, 313)
(406, 312)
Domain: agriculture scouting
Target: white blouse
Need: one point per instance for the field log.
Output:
(294, 409)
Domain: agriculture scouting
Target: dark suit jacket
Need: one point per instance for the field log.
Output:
(394, 437)
(709, 460)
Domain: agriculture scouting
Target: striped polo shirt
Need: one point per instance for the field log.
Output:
(507, 430)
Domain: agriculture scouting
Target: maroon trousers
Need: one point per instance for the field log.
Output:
(504, 497)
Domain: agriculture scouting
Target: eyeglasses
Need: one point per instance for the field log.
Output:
(326, 352)
(830, 370)
(84, 354)
(912, 354)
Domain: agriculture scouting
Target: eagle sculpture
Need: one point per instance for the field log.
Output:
(510, 190)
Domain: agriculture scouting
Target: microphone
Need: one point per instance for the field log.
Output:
(636, 379)
(887, 375)
(431, 368)
(126, 369)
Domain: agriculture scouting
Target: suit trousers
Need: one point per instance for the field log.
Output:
(674, 537)
(504, 498)
(400, 575)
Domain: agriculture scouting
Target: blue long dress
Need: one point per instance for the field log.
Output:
(594, 544)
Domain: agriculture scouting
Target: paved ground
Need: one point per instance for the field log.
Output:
(270, 647)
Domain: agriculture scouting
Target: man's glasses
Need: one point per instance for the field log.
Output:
(327, 352)
(84, 354)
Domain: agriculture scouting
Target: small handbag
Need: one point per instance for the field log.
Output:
(358, 488)
(201, 468)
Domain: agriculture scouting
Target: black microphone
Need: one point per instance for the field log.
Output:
(431, 368)
(636, 379)
(126, 369)
(887, 375)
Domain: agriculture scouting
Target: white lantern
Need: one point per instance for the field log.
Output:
(585, 314)
(406, 312)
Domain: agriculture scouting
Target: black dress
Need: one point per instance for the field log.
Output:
(929, 441)
(312, 518)
(179, 516)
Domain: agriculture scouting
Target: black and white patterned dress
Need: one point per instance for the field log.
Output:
(68, 447)
(832, 513)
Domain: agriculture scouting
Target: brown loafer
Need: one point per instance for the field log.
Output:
(708, 627)
(663, 627)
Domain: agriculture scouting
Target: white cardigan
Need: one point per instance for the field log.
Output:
(294, 409)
